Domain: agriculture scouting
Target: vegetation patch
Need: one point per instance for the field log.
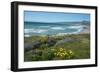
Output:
(66, 47)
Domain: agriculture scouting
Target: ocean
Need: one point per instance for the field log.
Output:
(35, 28)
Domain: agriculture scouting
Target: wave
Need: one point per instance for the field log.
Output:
(75, 27)
(35, 30)
(58, 28)
(67, 27)
(26, 35)
(53, 30)
(59, 34)
(44, 26)
(75, 32)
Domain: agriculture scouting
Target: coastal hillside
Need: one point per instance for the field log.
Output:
(43, 48)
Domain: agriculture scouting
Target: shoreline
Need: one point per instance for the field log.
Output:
(86, 30)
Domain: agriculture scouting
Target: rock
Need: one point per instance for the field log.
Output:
(36, 44)
(51, 42)
(66, 40)
(32, 45)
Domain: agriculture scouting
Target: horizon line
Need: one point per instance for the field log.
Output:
(58, 22)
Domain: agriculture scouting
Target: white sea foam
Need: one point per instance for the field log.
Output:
(59, 34)
(75, 27)
(75, 32)
(35, 30)
(26, 35)
(58, 28)
(41, 31)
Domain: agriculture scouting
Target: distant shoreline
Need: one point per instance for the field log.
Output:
(86, 30)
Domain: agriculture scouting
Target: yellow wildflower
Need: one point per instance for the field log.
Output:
(70, 52)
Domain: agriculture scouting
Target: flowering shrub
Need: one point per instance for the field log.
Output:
(63, 53)
(51, 54)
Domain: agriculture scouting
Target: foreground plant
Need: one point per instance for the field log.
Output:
(63, 53)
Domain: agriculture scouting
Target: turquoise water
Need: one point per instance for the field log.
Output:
(35, 28)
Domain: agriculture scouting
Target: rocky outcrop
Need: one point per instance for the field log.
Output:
(66, 40)
(30, 46)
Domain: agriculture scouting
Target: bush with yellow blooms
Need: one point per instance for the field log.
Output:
(63, 53)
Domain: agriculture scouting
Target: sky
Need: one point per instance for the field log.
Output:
(35, 16)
